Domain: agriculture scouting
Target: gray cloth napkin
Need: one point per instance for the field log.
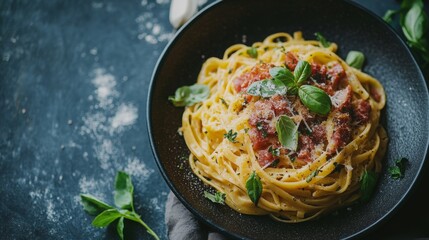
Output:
(181, 224)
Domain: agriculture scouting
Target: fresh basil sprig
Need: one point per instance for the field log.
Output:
(414, 23)
(123, 198)
(283, 82)
(367, 184)
(355, 59)
(218, 197)
(189, 95)
(287, 132)
(254, 187)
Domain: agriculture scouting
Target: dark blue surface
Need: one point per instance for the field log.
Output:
(58, 132)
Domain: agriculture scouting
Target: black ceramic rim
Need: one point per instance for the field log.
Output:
(210, 223)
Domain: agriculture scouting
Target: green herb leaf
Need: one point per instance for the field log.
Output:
(355, 59)
(312, 175)
(389, 15)
(230, 136)
(189, 95)
(284, 75)
(218, 197)
(398, 171)
(106, 217)
(274, 151)
(287, 132)
(120, 228)
(315, 99)
(254, 187)
(123, 197)
(123, 194)
(92, 205)
(302, 71)
(322, 40)
(415, 23)
(367, 184)
(267, 88)
(253, 52)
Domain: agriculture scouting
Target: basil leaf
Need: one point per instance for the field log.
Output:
(253, 52)
(254, 187)
(315, 99)
(284, 75)
(398, 170)
(267, 88)
(120, 228)
(106, 217)
(355, 59)
(415, 23)
(407, 4)
(367, 184)
(287, 132)
(189, 95)
(123, 194)
(322, 40)
(92, 205)
(218, 197)
(302, 71)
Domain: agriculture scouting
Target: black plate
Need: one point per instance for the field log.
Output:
(352, 28)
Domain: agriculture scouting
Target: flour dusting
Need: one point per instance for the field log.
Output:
(149, 27)
(125, 116)
(105, 84)
(138, 169)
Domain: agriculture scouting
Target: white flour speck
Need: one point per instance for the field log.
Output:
(125, 116)
(138, 169)
(97, 5)
(150, 39)
(149, 27)
(104, 153)
(105, 84)
(90, 186)
(93, 51)
(155, 204)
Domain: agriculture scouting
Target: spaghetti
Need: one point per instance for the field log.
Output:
(233, 134)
